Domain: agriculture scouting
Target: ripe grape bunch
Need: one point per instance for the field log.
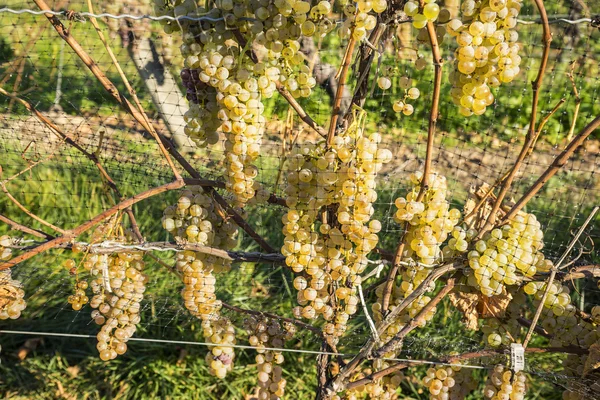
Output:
(504, 384)
(487, 54)
(195, 219)
(501, 253)
(118, 285)
(342, 174)
(267, 334)
(12, 296)
(449, 383)
(429, 223)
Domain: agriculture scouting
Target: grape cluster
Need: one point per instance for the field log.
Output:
(449, 383)
(201, 118)
(118, 285)
(503, 384)
(429, 221)
(340, 177)
(269, 333)
(384, 388)
(219, 331)
(487, 54)
(496, 258)
(560, 317)
(410, 93)
(12, 297)
(428, 224)
(195, 219)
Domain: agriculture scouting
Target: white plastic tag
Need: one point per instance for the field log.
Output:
(517, 357)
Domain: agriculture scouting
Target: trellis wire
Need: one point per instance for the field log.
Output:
(553, 19)
(237, 346)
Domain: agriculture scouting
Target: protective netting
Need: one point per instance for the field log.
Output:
(58, 183)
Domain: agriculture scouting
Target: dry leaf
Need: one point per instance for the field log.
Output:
(73, 371)
(593, 359)
(28, 346)
(183, 352)
(494, 306)
(467, 304)
(252, 396)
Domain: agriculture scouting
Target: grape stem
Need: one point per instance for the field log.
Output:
(91, 156)
(433, 116)
(556, 165)
(531, 134)
(16, 226)
(343, 76)
(73, 233)
(394, 343)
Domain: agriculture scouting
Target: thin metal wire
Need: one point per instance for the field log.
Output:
(107, 15)
(238, 346)
(204, 18)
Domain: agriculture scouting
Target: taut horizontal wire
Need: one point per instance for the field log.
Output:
(238, 346)
(204, 18)
(107, 15)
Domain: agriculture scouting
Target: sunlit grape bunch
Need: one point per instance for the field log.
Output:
(320, 175)
(560, 317)
(79, 298)
(12, 296)
(487, 54)
(265, 333)
(118, 283)
(219, 331)
(385, 388)
(501, 253)
(449, 382)
(504, 384)
(430, 220)
(195, 219)
(410, 93)
(429, 223)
